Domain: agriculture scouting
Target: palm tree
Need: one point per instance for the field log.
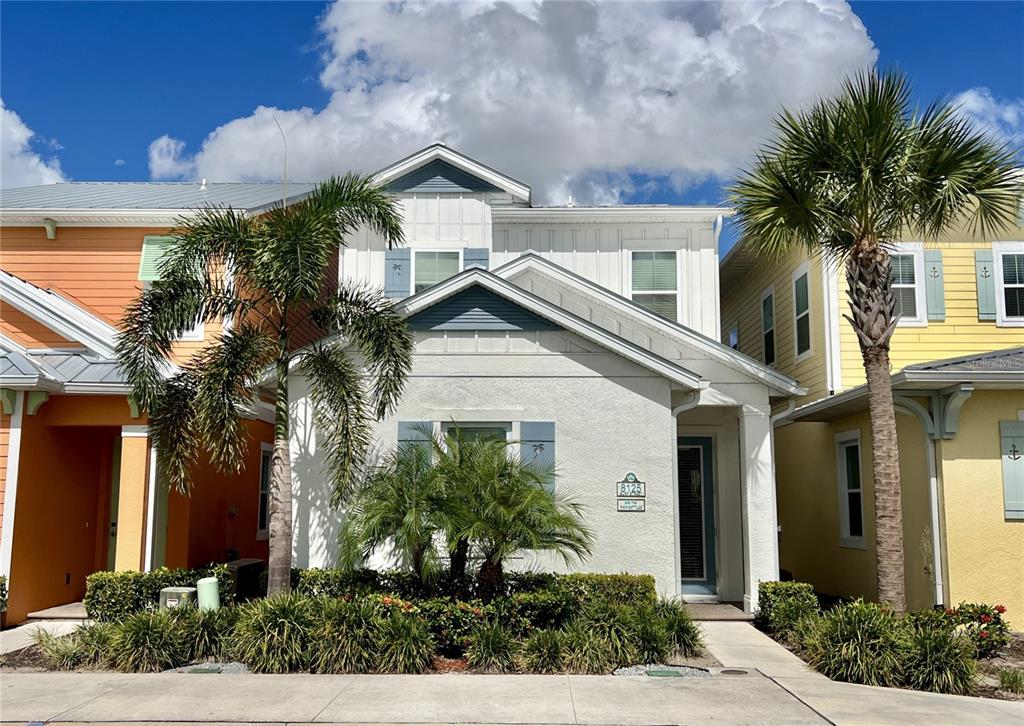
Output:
(846, 179)
(399, 505)
(271, 280)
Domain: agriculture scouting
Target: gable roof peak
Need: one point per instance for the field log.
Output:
(441, 151)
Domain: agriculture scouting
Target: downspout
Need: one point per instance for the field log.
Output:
(778, 418)
(933, 494)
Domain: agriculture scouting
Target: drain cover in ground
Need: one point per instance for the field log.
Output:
(664, 673)
(732, 672)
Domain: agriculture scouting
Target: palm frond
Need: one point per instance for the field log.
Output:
(173, 431)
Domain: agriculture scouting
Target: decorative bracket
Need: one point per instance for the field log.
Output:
(133, 407)
(35, 400)
(952, 400)
(911, 406)
(9, 396)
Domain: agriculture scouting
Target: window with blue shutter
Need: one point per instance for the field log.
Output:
(984, 275)
(431, 267)
(934, 285)
(397, 272)
(537, 446)
(153, 250)
(475, 257)
(1011, 453)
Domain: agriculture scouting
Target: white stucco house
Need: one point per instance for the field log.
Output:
(590, 337)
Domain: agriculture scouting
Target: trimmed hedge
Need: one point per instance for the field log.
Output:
(113, 596)
(781, 605)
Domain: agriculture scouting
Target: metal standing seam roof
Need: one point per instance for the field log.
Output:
(150, 195)
(1009, 360)
(61, 367)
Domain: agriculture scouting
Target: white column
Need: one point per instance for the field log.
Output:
(11, 485)
(760, 520)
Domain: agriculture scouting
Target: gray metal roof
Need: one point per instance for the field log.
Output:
(61, 367)
(150, 195)
(1009, 359)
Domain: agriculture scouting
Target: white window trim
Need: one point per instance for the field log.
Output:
(920, 296)
(263, 534)
(194, 335)
(431, 250)
(679, 276)
(768, 292)
(842, 439)
(733, 327)
(998, 250)
(802, 270)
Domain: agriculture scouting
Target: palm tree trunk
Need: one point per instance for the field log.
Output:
(279, 574)
(491, 578)
(872, 306)
(458, 560)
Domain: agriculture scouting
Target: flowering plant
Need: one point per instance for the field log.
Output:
(984, 625)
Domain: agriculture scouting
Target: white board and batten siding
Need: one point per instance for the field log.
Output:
(596, 246)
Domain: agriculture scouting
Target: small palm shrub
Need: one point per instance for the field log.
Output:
(938, 659)
(684, 636)
(341, 639)
(1012, 680)
(492, 648)
(205, 632)
(585, 651)
(95, 640)
(147, 642)
(543, 652)
(858, 642)
(61, 653)
(272, 635)
(404, 643)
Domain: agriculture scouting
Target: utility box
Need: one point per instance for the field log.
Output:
(176, 597)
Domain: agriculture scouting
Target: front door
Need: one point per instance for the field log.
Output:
(696, 516)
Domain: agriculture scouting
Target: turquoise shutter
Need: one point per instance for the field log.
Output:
(398, 272)
(537, 446)
(411, 433)
(984, 274)
(153, 250)
(1011, 452)
(475, 257)
(934, 285)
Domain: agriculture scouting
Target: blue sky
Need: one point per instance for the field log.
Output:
(133, 91)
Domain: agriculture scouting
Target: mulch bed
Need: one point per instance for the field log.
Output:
(988, 670)
(26, 660)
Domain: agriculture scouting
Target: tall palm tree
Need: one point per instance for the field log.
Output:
(272, 281)
(845, 180)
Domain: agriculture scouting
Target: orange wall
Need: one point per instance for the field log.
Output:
(5, 437)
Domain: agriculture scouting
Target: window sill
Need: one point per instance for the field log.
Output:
(803, 356)
(1010, 322)
(852, 543)
(912, 323)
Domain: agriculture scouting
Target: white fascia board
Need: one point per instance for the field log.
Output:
(95, 217)
(58, 314)
(529, 301)
(468, 165)
(626, 212)
(714, 349)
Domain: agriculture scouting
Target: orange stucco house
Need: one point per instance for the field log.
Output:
(79, 487)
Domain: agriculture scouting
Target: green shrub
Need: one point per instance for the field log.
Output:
(939, 658)
(984, 625)
(542, 652)
(1012, 680)
(318, 582)
(613, 623)
(858, 642)
(61, 653)
(272, 635)
(544, 608)
(651, 642)
(113, 596)
(404, 643)
(342, 636)
(527, 582)
(205, 632)
(621, 589)
(147, 642)
(781, 604)
(95, 640)
(584, 650)
(492, 648)
(452, 622)
(684, 636)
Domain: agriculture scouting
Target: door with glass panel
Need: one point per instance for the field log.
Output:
(697, 516)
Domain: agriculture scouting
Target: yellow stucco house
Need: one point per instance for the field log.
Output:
(958, 378)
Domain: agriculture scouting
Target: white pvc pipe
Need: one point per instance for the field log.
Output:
(933, 493)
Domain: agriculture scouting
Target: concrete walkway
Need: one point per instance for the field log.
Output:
(22, 636)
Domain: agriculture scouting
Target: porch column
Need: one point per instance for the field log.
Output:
(132, 499)
(760, 520)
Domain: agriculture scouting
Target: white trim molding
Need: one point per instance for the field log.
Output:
(998, 250)
(916, 250)
(802, 270)
(471, 166)
(11, 485)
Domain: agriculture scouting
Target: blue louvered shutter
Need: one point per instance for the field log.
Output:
(984, 274)
(413, 433)
(537, 446)
(475, 257)
(934, 285)
(1011, 452)
(398, 272)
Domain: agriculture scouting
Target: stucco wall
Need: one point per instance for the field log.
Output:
(611, 417)
(986, 551)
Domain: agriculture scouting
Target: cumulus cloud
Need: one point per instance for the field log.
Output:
(119, 162)
(1001, 117)
(571, 97)
(20, 164)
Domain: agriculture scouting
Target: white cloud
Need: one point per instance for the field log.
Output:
(569, 97)
(20, 165)
(119, 162)
(1003, 118)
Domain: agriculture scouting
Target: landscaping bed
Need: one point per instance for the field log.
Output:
(368, 622)
(967, 650)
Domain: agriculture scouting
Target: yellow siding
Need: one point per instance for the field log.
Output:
(743, 305)
(985, 551)
(808, 502)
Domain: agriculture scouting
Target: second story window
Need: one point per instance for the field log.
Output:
(802, 313)
(907, 280)
(430, 268)
(655, 282)
(154, 248)
(768, 326)
(1009, 274)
